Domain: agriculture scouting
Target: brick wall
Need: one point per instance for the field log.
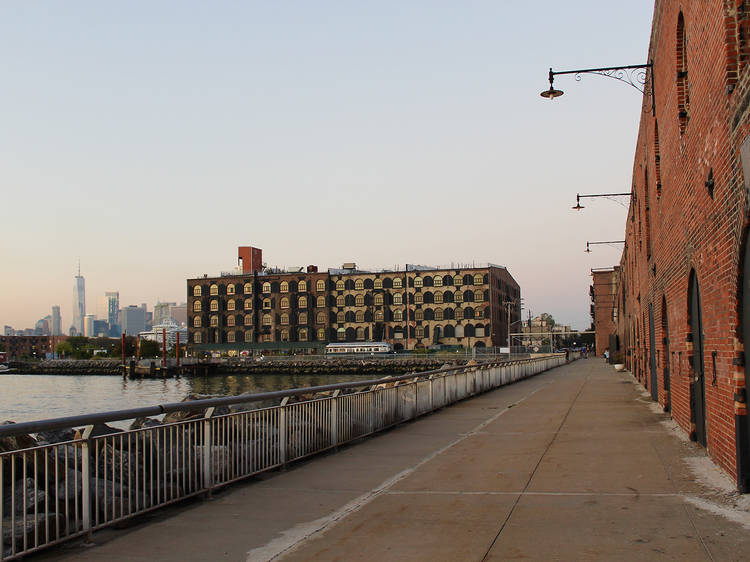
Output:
(688, 214)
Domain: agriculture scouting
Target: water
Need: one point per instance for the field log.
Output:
(35, 397)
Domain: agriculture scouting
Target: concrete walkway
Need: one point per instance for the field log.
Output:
(574, 464)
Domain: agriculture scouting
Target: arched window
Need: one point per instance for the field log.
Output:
(378, 284)
(683, 86)
(419, 332)
(478, 279)
(438, 297)
(248, 288)
(320, 318)
(266, 304)
(284, 287)
(478, 296)
(360, 300)
(302, 334)
(284, 335)
(302, 302)
(398, 298)
(248, 320)
(360, 333)
(458, 314)
(230, 304)
(340, 317)
(360, 317)
(285, 319)
(438, 314)
(214, 321)
(322, 334)
(418, 298)
(284, 302)
(302, 286)
(341, 334)
(230, 289)
(438, 281)
(418, 282)
(266, 287)
(340, 300)
(359, 284)
(458, 281)
(248, 336)
(302, 318)
(458, 296)
(197, 306)
(378, 316)
(197, 322)
(248, 304)
(340, 285)
(320, 285)
(419, 314)
(378, 299)
(197, 291)
(267, 320)
(459, 331)
(230, 320)
(468, 313)
(214, 290)
(398, 315)
(479, 313)
(397, 283)
(214, 305)
(197, 337)
(320, 302)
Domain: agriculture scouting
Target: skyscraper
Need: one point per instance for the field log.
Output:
(56, 321)
(79, 302)
(107, 307)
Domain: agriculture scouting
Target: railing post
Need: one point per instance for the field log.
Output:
(208, 478)
(432, 398)
(282, 431)
(86, 481)
(335, 419)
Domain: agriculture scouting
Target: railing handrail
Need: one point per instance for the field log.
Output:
(194, 405)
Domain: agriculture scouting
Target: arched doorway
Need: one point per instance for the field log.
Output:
(652, 383)
(698, 384)
(666, 359)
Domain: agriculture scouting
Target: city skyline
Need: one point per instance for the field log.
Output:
(418, 135)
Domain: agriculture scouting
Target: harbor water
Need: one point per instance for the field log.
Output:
(35, 397)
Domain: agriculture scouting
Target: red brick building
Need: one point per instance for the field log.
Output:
(684, 291)
(603, 310)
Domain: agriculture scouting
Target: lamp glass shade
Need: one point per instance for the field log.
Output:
(551, 93)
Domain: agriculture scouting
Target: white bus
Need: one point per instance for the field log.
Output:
(363, 348)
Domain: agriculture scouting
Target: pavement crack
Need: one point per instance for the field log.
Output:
(536, 467)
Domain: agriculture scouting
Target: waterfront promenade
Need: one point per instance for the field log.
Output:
(574, 464)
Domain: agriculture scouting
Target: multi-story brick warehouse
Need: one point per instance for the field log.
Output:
(412, 309)
(684, 292)
(603, 298)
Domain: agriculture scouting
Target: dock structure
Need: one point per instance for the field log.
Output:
(571, 464)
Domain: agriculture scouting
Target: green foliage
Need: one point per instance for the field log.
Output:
(130, 347)
(547, 317)
(150, 348)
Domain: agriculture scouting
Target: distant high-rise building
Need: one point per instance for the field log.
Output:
(56, 321)
(133, 319)
(178, 313)
(162, 312)
(88, 325)
(107, 307)
(79, 302)
(43, 326)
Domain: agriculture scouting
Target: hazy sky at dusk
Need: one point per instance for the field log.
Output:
(150, 139)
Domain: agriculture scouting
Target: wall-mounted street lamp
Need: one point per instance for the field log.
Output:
(635, 75)
(609, 242)
(578, 205)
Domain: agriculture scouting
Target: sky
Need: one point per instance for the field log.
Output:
(151, 138)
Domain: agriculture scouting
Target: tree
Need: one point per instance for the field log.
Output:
(64, 349)
(150, 348)
(130, 347)
(547, 319)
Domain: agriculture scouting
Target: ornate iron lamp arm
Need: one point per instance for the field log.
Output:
(609, 242)
(639, 76)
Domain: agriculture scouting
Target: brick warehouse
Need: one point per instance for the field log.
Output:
(683, 299)
(417, 308)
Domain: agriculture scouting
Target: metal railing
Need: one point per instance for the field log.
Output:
(55, 492)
